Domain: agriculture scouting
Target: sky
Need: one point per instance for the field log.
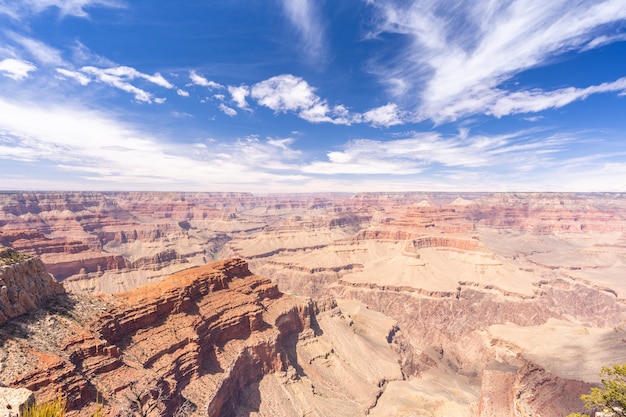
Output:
(271, 96)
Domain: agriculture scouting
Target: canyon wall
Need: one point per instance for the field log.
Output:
(485, 303)
(198, 336)
(203, 340)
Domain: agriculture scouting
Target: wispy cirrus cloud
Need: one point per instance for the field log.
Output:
(82, 55)
(198, 79)
(305, 18)
(117, 76)
(121, 156)
(78, 8)
(16, 68)
(79, 77)
(41, 52)
(530, 101)
(420, 151)
(120, 76)
(464, 53)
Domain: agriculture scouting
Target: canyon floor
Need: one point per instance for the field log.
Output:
(407, 304)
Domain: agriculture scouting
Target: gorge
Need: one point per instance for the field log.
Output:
(408, 304)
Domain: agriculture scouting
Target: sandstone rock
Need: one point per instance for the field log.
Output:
(24, 284)
(203, 334)
(14, 401)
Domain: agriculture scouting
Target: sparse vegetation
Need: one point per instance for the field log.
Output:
(56, 408)
(611, 399)
(10, 256)
(51, 408)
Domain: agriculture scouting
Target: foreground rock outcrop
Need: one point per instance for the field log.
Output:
(202, 339)
(24, 284)
(184, 338)
(13, 402)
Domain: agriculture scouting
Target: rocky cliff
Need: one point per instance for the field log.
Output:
(112, 242)
(200, 339)
(24, 284)
(469, 282)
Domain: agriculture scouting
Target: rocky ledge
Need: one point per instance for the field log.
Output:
(24, 284)
(194, 340)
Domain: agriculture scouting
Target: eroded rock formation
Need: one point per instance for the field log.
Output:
(206, 337)
(24, 284)
(482, 296)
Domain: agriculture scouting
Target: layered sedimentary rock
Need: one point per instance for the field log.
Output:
(489, 296)
(112, 242)
(464, 280)
(168, 335)
(24, 284)
(204, 339)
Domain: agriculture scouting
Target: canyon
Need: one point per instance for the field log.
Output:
(408, 304)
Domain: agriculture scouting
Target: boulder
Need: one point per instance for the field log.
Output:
(14, 401)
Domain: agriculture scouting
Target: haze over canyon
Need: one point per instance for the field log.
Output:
(379, 304)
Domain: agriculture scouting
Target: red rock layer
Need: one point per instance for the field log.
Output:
(201, 334)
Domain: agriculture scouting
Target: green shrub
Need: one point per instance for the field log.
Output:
(611, 398)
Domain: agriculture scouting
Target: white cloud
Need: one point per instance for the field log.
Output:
(41, 52)
(182, 93)
(604, 40)
(160, 100)
(118, 82)
(288, 93)
(387, 115)
(239, 95)
(79, 77)
(119, 156)
(537, 100)
(182, 115)
(156, 79)
(82, 55)
(464, 53)
(22, 8)
(203, 82)
(227, 110)
(285, 93)
(16, 68)
(118, 77)
(273, 154)
(417, 153)
(129, 73)
(304, 16)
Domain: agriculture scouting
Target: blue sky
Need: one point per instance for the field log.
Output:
(302, 95)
